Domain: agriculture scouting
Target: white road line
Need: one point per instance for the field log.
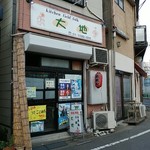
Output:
(121, 141)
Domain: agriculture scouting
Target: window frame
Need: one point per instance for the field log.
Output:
(120, 3)
(81, 3)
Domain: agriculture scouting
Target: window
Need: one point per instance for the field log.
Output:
(127, 88)
(52, 62)
(76, 2)
(120, 3)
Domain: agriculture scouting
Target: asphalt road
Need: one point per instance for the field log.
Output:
(127, 137)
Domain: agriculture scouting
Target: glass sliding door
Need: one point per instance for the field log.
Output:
(123, 93)
(127, 93)
(118, 98)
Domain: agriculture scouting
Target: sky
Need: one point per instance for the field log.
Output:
(144, 13)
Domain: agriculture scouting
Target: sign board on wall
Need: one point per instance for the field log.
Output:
(46, 18)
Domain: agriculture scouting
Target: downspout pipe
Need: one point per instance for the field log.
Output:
(85, 93)
(14, 8)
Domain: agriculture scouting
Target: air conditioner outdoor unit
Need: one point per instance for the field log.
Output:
(142, 110)
(99, 56)
(104, 120)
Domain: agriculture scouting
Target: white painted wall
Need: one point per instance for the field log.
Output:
(126, 64)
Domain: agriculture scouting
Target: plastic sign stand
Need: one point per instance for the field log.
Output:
(76, 122)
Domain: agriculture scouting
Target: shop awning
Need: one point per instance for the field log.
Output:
(40, 44)
(140, 70)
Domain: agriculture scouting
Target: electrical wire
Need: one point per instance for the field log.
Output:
(93, 13)
(141, 5)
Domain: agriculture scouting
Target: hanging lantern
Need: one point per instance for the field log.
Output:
(98, 80)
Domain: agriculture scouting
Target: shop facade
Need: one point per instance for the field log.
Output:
(58, 47)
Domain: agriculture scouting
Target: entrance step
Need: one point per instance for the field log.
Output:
(41, 140)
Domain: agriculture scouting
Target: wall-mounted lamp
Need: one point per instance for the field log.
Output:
(118, 44)
(29, 1)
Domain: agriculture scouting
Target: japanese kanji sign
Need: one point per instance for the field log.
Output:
(76, 121)
(49, 19)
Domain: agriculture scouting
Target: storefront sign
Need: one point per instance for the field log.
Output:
(52, 20)
(37, 112)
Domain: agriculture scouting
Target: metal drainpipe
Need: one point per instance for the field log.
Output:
(13, 32)
(112, 66)
(85, 93)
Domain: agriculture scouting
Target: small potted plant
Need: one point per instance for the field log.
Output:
(3, 144)
(9, 144)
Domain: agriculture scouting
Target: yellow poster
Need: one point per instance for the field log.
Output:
(37, 112)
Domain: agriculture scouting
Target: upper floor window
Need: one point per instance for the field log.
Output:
(77, 2)
(120, 3)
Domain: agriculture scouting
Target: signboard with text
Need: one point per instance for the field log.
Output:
(46, 18)
(76, 121)
(37, 112)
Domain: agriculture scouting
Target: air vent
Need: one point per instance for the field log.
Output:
(99, 56)
(101, 121)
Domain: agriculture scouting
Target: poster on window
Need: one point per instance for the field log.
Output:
(76, 85)
(37, 126)
(37, 112)
(31, 92)
(64, 89)
(50, 83)
(63, 115)
(76, 89)
(76, 106)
